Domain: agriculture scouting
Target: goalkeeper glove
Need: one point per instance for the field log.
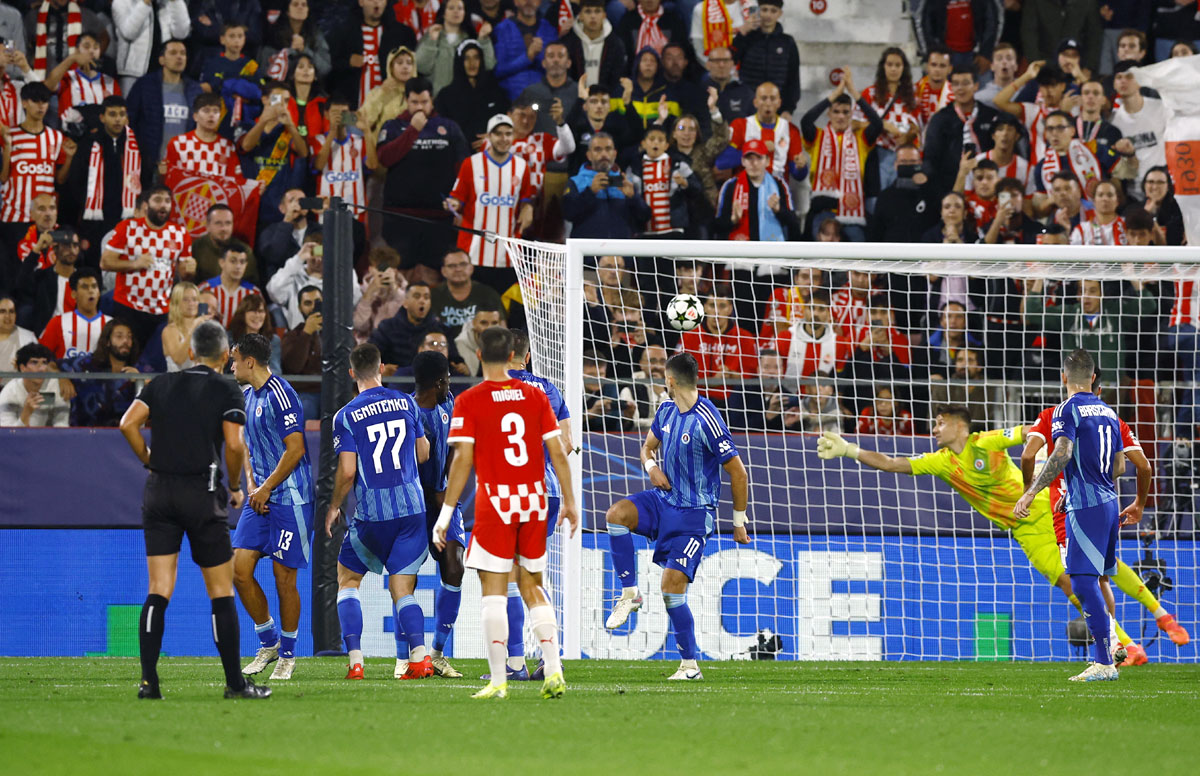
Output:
(831, 445)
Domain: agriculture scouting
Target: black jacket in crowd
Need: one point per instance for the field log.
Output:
(943, 143)
(770, 57)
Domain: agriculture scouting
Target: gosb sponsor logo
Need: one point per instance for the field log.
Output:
(341, 177)
(497, 200)
(34, 168)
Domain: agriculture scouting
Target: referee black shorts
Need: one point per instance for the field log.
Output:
(174, 505)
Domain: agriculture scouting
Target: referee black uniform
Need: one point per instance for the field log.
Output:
(184, 495)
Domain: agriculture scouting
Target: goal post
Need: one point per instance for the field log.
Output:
(847, 562)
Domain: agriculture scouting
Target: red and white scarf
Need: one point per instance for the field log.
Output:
(566, 17)
(131, 179)
(656, 189)
(1081, 162)
(74, 28)
(718, 25)
(11, 113)
(839, 175)
(781, 136)
(277, 66)
(418, 18)
(650, 34)
(372, 69)
(968, 125)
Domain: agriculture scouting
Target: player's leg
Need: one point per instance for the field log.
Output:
(349, 608)
(1133, 586)
(554, 504)
(249, 545)
(407, 547)
(491, 552)
(683, 624)
(515, 665)
(449, 595)
(1091, 554)
(636, 514)
(163, 570)
(290, 548)
(531, 551)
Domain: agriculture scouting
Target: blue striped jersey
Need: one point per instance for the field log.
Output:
(694, 446)
(1096, 433)
(436, 422)
(273, 413)
(559, 406)
(382, 427)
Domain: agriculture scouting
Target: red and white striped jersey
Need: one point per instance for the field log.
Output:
(189, 153)
(345, 172)
(1033, 116)
(29, 242)
(64, 298)
(656, 190)
(31, 170)
(11, 112)
(372, 71)
(73, 334)
(1017, 168)
(536, 150)
(490, 194)
(78, 89)
(1186, 309)
(419, 19)
(227, 301)
(148, 290)
(896, 113)
(1092, 233)
(815, 352)
(852, 313)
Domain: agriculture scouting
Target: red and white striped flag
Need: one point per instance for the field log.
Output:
(566, 17)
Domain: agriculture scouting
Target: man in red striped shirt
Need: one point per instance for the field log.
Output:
(78, 332)
(721, 347)
(229, 288)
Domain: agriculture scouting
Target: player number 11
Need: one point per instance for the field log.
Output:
(1106, 449)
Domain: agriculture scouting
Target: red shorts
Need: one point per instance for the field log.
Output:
(520, 533)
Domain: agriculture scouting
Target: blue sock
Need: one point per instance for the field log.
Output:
(350, 614)
(287, 643)
(268, 635)
(1087, 589)
(412, 620)
(620, 543)
(683, 623)
(446, 614)
(516, 621)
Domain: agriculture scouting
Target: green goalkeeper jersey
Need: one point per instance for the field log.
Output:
(984, 474)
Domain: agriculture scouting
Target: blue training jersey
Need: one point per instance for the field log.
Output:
(273, 412)
(436, 423)
(1096, 433)
(382, 427)
(695, 445)
(561, 413)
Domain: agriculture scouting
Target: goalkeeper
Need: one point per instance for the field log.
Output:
(979, 468)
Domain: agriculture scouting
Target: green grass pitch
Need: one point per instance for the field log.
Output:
(80, 716)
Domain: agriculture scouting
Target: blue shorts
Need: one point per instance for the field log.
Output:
(553, 504)
(679, 534)
(1092, 535)
(396, 546)
(284, 533)
(455, 533)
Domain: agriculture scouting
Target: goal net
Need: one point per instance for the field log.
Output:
(868, 341)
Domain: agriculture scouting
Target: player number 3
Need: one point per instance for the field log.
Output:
(514, 425)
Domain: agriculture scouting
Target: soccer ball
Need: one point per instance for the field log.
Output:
(685, 312)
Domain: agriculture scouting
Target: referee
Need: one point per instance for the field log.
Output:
(192, 412)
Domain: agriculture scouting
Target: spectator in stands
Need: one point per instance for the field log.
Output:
(715, 23)
(593, 114)
(12, 336)
(956, 224)
(850, 306)
(35, 250)
(892, 97)
(1065, 153)
(754, 205)
(383, 289)
(667, 184)
(1184, 48)
(420, 145)
(820, 410)
(134, 21)
(230, 287)
(701, 155)
(294, 33)
(965, 385)
(906, 208)
(650, 25)
(281, 240)
(231, 73)
(182, 317)
(649, 385)
(683, 91)
(1096, 133)
(946, 342)
(981, 197)
(885, 416)
(33, 401)
(883, 355)
(838, 154)
(1119, 16)
(303, 269)
(160, 106)
(47, 291)
(815, 347)
(788, 305)
(968, 30)
(598, 57)
(628, 338)
(398, 337)
(1003, 71)
(767, 405)
(70, 333)
(1143, 120)
(600, 202)
(456, 301)
(735, 100)
(252, 317)
(1068, 201)
(784, 142)
(437, 50)
(80, 85)
(944, 136)
(1105, 227)
(218, 238)
(1010, 225)
(300, 350)
(12, 28)
(473, 97)
(357, 50)
(273, 151)
(724, 350)
(554, 84)
(209, 18)
(101, 403)
(203, 151)
(50, 30)
(933, 90)
(1160, 203)
(520, 43)
(1046, 22)
(389, 99)
(649, 90)
(604, 410)
(768, 54)
(467, 341)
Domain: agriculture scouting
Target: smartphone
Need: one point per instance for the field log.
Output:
(317, 307)
(970, 148)
(202, 308)
(1004, 198)
(59, 235)
(318, 250)
(349, 118)
(276, 99)
(47, 397)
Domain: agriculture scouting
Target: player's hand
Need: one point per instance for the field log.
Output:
(331, 519)
(1021, 510)
(570, 514)
(1132, 514)
(236, 499)
(831, 445)
(741, 535)
(658, 479)
(439, 532)
(259, 497)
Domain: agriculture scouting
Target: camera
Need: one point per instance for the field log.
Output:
(970, 148)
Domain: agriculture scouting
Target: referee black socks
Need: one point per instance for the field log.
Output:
(150, 636)
(225, 634)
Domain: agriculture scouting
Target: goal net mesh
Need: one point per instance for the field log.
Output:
(848, 562)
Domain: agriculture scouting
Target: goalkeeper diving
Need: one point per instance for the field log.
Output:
(978, 467)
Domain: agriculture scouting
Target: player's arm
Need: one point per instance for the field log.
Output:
(343, 478)
(1033, 444)
(1118, 466)
(739, 486)
(460, 469)
(235, 460)
(1064, 448)
(422, 449)
(558, 459)
(293, 453)
(657, 478)
(1133, 513)
(832, 445)
(131, 428)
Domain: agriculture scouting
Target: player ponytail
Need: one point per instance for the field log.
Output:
(495, 345)
(365, 360)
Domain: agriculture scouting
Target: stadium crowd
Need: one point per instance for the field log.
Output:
(156, 154)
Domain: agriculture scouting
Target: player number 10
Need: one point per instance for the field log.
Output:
(514, 425)
(380, 433)
(1106, 449)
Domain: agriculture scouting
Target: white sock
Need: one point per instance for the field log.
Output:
(689, 664)
(436, 653)
(516, 662)
(356, 657)
(417, 654)
(494, 619)
(1160, 612)
(1112, 630)
(629, 592)
(545, 630)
